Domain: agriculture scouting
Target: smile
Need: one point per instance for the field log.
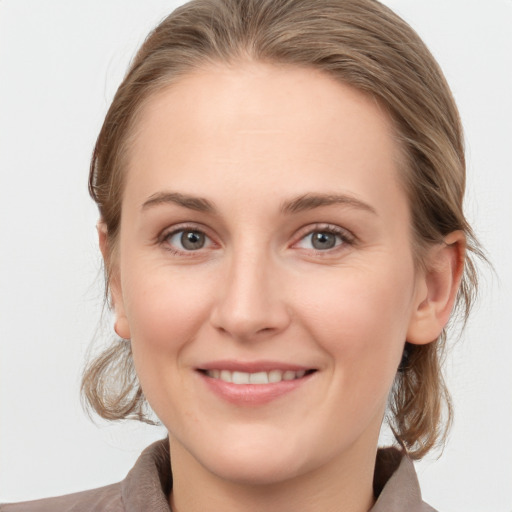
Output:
(262, 377)
(254, 384)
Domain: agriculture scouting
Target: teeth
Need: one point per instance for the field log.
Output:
(270, 377)
(288, 375)
(275, 376)
(240, 378)
(258, 378)
(225, 375)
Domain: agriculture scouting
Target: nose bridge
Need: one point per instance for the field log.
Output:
(251, 302)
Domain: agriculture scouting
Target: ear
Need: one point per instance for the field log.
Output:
(121, 326)
(437, 289)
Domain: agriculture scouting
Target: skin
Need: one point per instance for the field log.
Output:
(249, 139)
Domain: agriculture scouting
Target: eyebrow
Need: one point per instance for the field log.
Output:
(191, 202)
(302, 203)
(312, 201)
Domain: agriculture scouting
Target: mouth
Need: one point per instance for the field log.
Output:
(274, 376)
(254, 384)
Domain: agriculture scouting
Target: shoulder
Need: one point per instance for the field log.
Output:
(396, 485)
(146, 487)
(100, 499)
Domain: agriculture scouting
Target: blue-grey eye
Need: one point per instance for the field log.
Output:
(322, 240)
(192, 240)
(188, 240)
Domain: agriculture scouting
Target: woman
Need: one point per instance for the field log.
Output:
(280, 188)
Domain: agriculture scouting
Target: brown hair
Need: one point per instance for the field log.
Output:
(358, 42)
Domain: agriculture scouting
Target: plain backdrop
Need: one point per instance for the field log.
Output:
(60, 64)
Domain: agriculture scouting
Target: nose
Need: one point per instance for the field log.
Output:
(251, 302)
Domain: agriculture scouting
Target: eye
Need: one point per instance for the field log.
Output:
(324, 239)
(187, 240)
(321, 240)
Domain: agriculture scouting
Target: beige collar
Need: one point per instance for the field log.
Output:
(149, 483)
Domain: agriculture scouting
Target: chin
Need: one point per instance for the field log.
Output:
(266, 460)
(257, 468)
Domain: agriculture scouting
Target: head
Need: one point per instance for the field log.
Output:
(372, 56)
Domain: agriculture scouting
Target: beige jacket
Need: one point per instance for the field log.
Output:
(147, 486)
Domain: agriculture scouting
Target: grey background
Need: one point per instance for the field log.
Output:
(60, 63)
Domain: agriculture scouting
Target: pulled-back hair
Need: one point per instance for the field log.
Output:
(360, 43)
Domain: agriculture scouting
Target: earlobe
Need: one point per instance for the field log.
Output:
(121, 326)
(437, 289)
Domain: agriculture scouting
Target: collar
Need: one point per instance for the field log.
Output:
(149, 483)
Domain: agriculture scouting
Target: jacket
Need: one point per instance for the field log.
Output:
(148, 484)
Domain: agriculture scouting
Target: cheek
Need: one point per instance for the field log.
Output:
(361, 317)
(165, 312)
(165, 309)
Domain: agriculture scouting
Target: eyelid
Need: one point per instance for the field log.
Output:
(185, 226)
(347, 237)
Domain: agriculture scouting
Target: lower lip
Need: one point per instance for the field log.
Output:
(253, 394)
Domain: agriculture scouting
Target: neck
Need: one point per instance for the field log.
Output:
(344, 484)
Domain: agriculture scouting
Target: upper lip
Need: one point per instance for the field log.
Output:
(252, 366)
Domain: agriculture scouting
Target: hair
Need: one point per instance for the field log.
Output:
(363, 44)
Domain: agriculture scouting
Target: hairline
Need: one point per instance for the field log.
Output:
(403, 159)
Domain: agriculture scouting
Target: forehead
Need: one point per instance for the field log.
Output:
(255, 126)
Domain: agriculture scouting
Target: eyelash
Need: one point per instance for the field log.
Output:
(163, 239)
(345, 237)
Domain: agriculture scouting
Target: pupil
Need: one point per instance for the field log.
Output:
(192, 240)
(323, 240)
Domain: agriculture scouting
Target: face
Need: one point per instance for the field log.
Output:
(264, 270)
